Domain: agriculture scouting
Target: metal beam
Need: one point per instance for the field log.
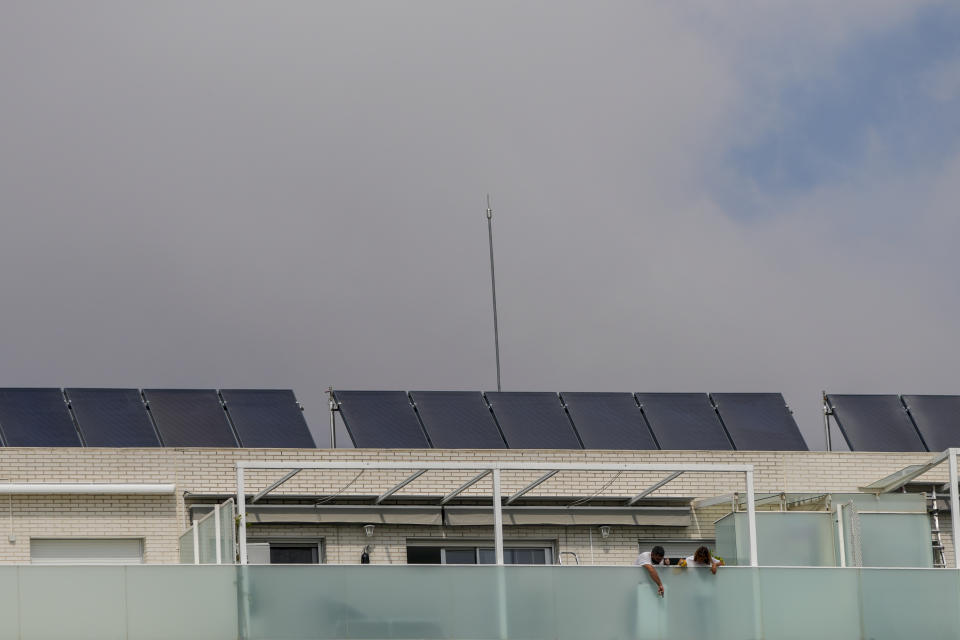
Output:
(241, 517)
(397, 487)
(466, 485)
(752, 520)
(497, 519)
(533, 485)
(503, 466)
(275, 485)
(80, 488)
(643, 494)
(841, 551)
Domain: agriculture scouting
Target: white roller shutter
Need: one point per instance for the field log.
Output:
(86, 551)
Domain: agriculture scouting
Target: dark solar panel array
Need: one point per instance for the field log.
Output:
(112, 418)
(874, 423)
(457, 419)
(937, 418)
(49, 417)
(533, 420)
(684, 421)
(380, 419)
(759, 421)
(190, 418)
(36, 418)
(267, 418)
(608, 420)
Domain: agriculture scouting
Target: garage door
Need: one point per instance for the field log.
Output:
(86, 551)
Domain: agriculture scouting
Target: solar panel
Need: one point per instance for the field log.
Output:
(608, 420)
(380, 419)
(532, 420)
(190, 418)
(457, 420)
(874, 423)
(36, 418)
(267, 418)
(684, 421)
(112, 418)
(759, 422)
(937, 418)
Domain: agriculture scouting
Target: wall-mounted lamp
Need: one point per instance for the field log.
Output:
(368, 529)
(605, 531)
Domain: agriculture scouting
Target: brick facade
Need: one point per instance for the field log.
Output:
(159, 520)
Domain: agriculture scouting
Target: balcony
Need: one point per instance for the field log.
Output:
(576, 603)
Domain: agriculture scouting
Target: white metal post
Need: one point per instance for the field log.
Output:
(216, 533)
(752, 519)
(497, 518)
(841, 548)
(242, 513)
(954, 507)
(196, 544)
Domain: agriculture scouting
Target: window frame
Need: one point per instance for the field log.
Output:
(307, 543)
(477, 544)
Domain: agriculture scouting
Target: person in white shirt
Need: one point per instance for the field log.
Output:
(648, 560)
(702, 558)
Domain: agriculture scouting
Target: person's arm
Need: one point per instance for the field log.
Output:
(714, 563)
(655, 577)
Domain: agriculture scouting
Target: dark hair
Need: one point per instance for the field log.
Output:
(702, 555)
(657, 551)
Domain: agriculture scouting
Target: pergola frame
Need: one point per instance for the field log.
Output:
(495, 469)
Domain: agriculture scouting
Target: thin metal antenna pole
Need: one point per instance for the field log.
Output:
(493, 287)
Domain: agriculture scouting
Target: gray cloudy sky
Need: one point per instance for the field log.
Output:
(752, 196)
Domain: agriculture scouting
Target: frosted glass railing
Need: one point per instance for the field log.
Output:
(207, 537)
(134, 602)
(228, 533)
(577, 603)
(211, 531)
(141, 602)
(186, 547)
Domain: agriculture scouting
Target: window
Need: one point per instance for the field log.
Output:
(424, 553)
(459, 555)
(285, 552)
(86, 550)
(518, 556)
